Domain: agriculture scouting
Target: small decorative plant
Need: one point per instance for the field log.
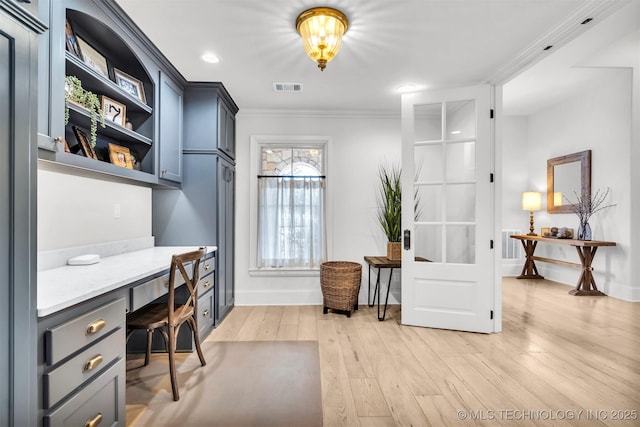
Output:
(584, 208)
(74, 92)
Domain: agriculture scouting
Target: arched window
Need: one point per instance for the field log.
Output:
(291, 208)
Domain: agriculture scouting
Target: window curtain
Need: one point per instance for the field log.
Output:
(291, 227)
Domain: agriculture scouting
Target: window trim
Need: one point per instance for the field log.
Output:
(298, 141)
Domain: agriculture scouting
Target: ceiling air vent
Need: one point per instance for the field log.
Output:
(287, 87)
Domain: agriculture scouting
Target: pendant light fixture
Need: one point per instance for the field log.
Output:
(321, 29)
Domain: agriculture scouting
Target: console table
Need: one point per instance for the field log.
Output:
(586, 251)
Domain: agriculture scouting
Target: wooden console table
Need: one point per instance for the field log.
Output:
(586, 251)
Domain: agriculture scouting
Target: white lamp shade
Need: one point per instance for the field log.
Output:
(531, 201)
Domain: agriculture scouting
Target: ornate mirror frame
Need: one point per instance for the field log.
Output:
(584, 158)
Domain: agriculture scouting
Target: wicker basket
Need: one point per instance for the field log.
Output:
(340, 282)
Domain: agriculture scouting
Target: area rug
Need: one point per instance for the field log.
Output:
(244, 383)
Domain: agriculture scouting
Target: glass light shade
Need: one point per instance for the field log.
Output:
(322, 29)
(531, 201)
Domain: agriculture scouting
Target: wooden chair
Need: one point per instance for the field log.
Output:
(171, 316)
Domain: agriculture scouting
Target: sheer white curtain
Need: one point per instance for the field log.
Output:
(291, 226)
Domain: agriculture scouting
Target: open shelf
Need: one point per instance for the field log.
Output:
(81, 117)
(100, 85)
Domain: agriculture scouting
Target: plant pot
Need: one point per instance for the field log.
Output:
(394, 250)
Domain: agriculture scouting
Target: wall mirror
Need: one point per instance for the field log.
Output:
(568, 176)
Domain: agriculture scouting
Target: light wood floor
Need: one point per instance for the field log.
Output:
(560, 360)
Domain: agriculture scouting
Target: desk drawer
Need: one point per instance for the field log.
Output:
(103, 398)
(62, 380)
(207, 266)
(143, 294)
(67, 338)
(206, 313)
(206, 284)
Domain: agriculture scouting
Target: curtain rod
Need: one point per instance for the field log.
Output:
(292, 176)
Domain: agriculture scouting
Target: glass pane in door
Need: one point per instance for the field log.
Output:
(428, 162)
(461, 244)
(428, 203)
(428, 122)
(461, 202)
(428, 242)
(461, 161)
(461, 120)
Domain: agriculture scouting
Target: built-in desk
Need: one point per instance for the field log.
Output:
(586, 251)
(81, 330)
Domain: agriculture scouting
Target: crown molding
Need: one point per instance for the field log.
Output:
(562, 34)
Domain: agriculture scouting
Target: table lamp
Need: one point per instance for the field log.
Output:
(531, 201)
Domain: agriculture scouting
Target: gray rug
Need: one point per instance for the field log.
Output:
(245, 383)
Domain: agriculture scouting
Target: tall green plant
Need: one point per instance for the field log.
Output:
(390, 202)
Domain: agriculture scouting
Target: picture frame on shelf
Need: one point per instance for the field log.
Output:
(120, 156)
(94, 59)
(114, 111)
(129, 84)
(84, 142)
(71, 40)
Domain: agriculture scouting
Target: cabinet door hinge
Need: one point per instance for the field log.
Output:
(491, 114)
(491, 244)
(491, 315)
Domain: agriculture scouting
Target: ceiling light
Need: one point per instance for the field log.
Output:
(209, 57)
(406, 88)
(322, 29)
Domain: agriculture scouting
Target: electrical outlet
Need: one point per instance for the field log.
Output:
(116, 211)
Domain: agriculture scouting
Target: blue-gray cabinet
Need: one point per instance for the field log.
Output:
(203, 210)
(171, 129)
(19, 32)
(117, 62)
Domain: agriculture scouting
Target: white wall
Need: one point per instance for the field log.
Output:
(75, 209)
(358, 146)
(599, 119)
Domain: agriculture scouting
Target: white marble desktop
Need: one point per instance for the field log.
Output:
(63, 287)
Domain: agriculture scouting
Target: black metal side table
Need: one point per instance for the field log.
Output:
(380, 262)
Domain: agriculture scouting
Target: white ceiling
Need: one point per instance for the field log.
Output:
(430, 43)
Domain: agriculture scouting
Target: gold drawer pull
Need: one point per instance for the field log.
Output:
(206, 267)
(93, 422)
(92, 363)
(206, 284)
(205, 313)
(166, 284)
(95, 327)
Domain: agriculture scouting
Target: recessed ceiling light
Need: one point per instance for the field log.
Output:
(406, 88)
(211, 58)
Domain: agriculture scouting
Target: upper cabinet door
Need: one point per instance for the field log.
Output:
(227, 132)
(209, 117)
(171, 126)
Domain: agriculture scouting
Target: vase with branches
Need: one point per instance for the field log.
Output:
(585, 207)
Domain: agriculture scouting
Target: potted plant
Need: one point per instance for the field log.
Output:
(390, 209)
(74, 92)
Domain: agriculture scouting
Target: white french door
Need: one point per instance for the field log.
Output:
(448, 278)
